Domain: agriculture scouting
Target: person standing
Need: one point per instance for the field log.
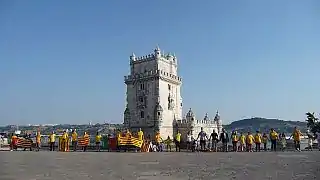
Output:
(178, 141)
(86, 138)
(203, 137)
(52, 140)
(98, 142)
(250, 141)
(140, 135)
(224, 138)
(189, 141)
(310, 140)
(74, 138)
(168, 143)
(265, 141)
(234, 139)
(38, 140)
(214, 140)
(273, 139)
(242, 141)
(296, 134)
(14, 142)
(258, 140)
(64, 143)
(283, 141)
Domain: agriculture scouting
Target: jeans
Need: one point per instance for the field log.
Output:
(273, 145)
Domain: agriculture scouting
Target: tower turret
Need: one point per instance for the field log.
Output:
(157, 52)
(218, 121)
(126, 118)
(133, 57)
(158, 110)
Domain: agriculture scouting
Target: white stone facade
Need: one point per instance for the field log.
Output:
(153, 93)
(154, 100)
(193, 125)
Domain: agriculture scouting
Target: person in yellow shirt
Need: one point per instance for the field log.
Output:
(273, 138)
(14, 142)
(98, 141)
(85, 136)
(158, 141)
(178, 141)
(242, 142)
(64, 143)
(140, 135)
(265, 140)
(74, 138)
(168, 142)
(52, 140)
(38, 140)
(250, 141)
(258, 140)
(234, 139)
(296, 134)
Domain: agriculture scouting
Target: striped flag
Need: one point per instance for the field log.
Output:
(24, 143)
(83, 141)
(129, 141)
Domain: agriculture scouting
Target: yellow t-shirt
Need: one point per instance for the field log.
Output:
(140, 135)
(178, 137)
(98, 138)
(250, 139)
(297, 135)
(158, 138)
(52, 138)
(74, 136)
(242, 139)
(38, 138)
(264, 139)
(234, 138)
(274, 135)
(258, 138)
(65, 136)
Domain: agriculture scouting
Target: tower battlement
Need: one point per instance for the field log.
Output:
(157, 55)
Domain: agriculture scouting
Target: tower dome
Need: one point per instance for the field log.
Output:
(190, 113)
(206, 118)
(217, 117)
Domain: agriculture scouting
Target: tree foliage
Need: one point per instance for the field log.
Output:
(313, 122)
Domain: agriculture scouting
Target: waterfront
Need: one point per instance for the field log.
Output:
(164, 166)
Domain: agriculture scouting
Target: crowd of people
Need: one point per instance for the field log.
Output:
(241, 142)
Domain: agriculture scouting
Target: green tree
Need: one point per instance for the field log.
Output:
(313, 122)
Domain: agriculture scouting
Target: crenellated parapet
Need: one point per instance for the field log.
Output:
(157, 55)
(153, 74)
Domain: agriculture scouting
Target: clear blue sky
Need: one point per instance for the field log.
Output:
(64, 61)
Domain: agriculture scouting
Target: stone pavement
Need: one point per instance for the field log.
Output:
(153, 166)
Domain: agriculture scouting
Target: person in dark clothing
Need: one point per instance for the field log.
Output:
(214, 140)
(203, 137)
(224, 138)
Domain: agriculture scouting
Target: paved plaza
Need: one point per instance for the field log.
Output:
(153, 166)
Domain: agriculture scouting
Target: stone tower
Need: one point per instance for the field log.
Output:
(153, 93)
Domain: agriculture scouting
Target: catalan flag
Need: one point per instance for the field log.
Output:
(129, 141)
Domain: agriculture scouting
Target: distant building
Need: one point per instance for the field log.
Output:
(154, 101)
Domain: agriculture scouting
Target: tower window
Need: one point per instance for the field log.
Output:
(141, 99)
(141, 86)
(169, 86)
(159, 113)
(142, 114)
